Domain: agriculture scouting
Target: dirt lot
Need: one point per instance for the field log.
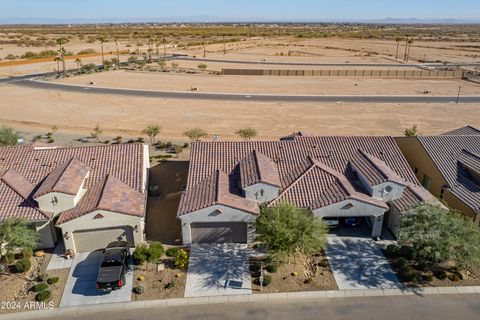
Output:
(75, 113)
(273, 84)
(155, 281)
(291, 277)
(162, 223)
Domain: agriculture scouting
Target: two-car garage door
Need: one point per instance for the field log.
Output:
(90, 240)
(219, 232)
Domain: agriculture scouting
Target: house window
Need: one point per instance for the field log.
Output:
(442, 192)
(427, 182)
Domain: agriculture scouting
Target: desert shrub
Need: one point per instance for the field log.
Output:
(267, 280)
(140, 289)
(308, 280)
(272, 268)
(87, 51)
(407, 252)
(427, 277)
(155, 251)
(43, 295)
(140, 254)
(400, 262)
(181, 259)
(392, 250)
(172, 252)
(454, 277)
(407, 274)
(323, 263)
(422, 265)
(27, 253)
(169, 285)
(254, 268)
(202, 66)
(42, 277)
(440, 274)
(52, 280)
(39, 287)
(8, 258)
(23, 266)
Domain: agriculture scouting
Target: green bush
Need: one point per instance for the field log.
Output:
(272, 268)
(400, 262)
(155, 252)
(407, 274)
(140, 289)
(140, 254)
(454, 277)
(267, 280)
(323, 263)
(172, 252)
(407, 252)
(52, 280)
(23, 266)
(169, 285)
(181, 259)
(440, 274)
(308, 280)
(392, 250)
(42, 277)
(43, 295)
(427, 277)
(8, 258)
(422, 265)
(39, 287)
(254, 268)
(27, 253)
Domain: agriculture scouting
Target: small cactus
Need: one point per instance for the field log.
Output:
(139, 289)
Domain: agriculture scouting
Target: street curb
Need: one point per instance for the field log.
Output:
(273, 297)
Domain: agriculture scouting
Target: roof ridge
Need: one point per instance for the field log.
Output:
(100, 194)
(13, 171)
(369, 157)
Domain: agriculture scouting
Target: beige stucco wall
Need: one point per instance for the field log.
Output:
(46, 234)
(109, 220)
(210, 214)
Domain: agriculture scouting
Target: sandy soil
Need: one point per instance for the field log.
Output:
(78, 113)
(272, 84)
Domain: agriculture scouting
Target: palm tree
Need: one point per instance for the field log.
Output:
(157, 46)
(398, 46)
(406, 48)
(115, 39)
(204, 45)
(102, 40)
(164, 42)
(410, 42)
(78, 61)
(57, 60)
(61, 42)
(150, 43)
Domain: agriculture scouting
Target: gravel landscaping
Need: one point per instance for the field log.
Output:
(293, 277)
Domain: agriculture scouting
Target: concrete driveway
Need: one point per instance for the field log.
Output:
(358, 263)
(80, 287)
(218, 269)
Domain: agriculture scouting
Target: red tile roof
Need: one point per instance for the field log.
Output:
(15, 195)
(214, 190)
(374, 170)
(463, 131)
(258, 168)
(67, 178)
(302, 179)
(110, 194)
(124, 162)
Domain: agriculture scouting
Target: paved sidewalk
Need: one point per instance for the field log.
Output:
(58, 261)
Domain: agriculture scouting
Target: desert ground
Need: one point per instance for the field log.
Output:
(75, 114)
(273, 84)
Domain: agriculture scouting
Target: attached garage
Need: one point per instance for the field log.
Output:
(219, 232)
(90, 240)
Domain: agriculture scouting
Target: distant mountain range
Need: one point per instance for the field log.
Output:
(213, 19)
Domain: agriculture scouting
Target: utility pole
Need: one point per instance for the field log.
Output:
(458, 96)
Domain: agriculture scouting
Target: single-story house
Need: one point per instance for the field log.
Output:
(85, 196)
(331, 176)
(448, 165)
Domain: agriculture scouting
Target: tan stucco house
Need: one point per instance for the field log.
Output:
(331, 176)
(448, 165)
(83, 196)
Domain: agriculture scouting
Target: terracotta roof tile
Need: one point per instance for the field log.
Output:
(258, 168)
(463, 131)
(374, 170)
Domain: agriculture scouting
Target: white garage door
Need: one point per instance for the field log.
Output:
(219, 232)
(90, 240)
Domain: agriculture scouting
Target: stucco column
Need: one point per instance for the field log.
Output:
(377, 226)
(186, 233)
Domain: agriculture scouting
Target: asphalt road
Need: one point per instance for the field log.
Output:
(243, 97)
(435, 307)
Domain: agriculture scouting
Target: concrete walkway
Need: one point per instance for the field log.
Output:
(80, 287)
(58, 260)
(218, 270)
(358, 263)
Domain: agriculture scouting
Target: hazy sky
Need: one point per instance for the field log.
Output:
(269, 9)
